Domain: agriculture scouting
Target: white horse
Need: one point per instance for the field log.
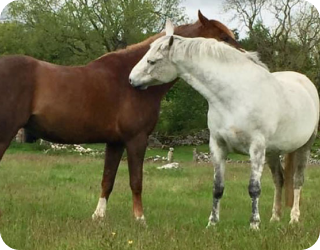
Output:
(251, 111)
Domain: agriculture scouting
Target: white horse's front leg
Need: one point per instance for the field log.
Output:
(257, 157)
(219, 154)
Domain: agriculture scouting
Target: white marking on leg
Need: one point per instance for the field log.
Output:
(257, 157)
(141, 220)
(219, 154)
(295, 212)
(215, 214)
(100, 210)
(276, 169)
(276, 210)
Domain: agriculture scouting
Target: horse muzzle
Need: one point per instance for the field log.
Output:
(137, 85)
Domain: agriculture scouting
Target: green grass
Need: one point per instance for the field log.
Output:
(46, 202)
(181, 153)
(184, 153)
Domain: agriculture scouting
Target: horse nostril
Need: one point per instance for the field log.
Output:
(130, 81)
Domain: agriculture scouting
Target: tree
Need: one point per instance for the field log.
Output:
(183, 110)
(292, 44)
(246, 11)
(77, 31)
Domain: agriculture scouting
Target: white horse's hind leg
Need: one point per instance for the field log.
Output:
(298, 180)
(302, 155)
(277, 175)
(219, 154)
(257, 157)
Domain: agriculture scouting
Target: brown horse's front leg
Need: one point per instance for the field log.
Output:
(136, 149)
(112, 159)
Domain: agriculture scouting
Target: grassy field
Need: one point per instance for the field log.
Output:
(46, 203)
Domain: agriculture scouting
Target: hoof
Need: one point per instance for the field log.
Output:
(142, 221)
(294, 221)
(294, 217)
(100, 212)
(254, 226)
(98, 215)
(211, 224)
(275, 218)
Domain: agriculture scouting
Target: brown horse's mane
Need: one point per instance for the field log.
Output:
(151, 39)
(140, 45)
(224, 28)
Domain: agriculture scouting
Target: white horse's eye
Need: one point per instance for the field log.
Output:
(151, 62)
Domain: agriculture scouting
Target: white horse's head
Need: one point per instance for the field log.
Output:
(155, 68)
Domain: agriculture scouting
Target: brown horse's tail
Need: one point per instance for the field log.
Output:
(288, 178)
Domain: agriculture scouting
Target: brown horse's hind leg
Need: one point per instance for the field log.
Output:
(277, 175)
(112, 160)
(6, 136)
(5, 139)
(136, 149)
(301, 157)
(3, 148)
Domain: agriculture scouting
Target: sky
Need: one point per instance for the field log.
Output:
(212, 9)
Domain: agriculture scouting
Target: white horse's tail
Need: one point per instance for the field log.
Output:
(288, 178)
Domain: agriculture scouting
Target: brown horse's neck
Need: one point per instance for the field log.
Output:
(131, 56)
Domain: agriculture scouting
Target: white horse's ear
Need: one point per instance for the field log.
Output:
(169, 28)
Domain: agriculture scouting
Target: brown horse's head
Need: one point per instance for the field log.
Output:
(208, 29)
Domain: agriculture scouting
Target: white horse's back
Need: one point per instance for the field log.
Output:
(291, 77)
(300, 114)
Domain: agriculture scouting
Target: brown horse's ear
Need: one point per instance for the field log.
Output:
(171, 41)
(203, 19)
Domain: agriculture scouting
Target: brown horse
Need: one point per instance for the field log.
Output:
(91, 104)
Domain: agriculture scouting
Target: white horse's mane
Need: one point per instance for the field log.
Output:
(203, 47)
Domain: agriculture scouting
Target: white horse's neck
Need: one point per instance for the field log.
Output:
(216, 70)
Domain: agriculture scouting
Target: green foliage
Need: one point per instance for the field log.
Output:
(183, 110)
(74, 32)
(281, 53)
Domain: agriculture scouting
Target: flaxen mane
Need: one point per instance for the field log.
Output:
(202, 48)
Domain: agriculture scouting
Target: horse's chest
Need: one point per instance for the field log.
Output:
(235, 139)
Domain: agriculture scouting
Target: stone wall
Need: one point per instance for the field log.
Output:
(195, 139)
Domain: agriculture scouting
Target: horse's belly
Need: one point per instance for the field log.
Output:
(290, 138)
(68, 131)
(285, 137)
(296, 126)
